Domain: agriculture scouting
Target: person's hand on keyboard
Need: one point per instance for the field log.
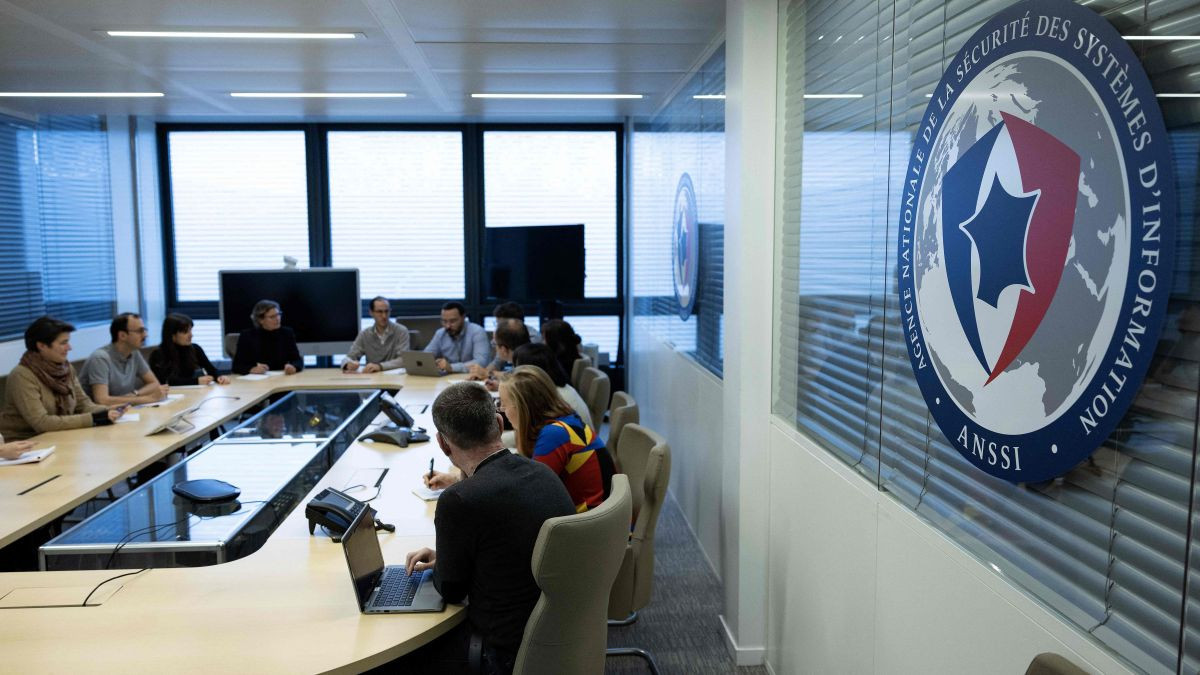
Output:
(420, 560)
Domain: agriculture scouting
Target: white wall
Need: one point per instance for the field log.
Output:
(681, 400)
(858, 583)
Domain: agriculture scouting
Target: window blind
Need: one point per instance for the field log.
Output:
(56, 246)
(688, 136)
(396, 211)
(239, 200)
(1106, 545)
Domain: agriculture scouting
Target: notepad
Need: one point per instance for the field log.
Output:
(427, 494)
(29, 457)
(253, 376)
(128, 417)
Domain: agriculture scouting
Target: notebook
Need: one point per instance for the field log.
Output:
(384, 590)
(29, 457)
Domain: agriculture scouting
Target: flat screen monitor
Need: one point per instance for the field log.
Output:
(321, 305)
(530, 263)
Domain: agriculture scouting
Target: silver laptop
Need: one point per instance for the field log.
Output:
(384, 590)
(421, 363)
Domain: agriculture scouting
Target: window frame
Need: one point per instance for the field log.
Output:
(474, 227)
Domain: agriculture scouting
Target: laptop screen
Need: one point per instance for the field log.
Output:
(363, 555)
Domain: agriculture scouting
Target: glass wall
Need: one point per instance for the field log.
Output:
(1110, 545)
(683, 144)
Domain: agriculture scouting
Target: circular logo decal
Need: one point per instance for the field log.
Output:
(1036, 240)
(685, 246)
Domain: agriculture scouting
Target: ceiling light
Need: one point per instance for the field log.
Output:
(1162, 37)
(1178, 95)
(230, 35)
(558, 96)
(709, 97)
(81, 94)
(833, 96)
(318, 94)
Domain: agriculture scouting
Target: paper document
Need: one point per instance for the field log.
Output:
(171, 398)
(253, 376)
(129, 417)
(427, 494)
(29, 457)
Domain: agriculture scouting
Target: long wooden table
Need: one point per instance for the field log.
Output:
(289, 607)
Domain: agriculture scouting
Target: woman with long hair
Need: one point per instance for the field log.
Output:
(560, 337)
(178, 361)
(549, 431)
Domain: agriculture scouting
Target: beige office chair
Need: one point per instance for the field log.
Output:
(623, 410)
(230, 343)
(647, 463)
(1049, 663)
(566, 633)
(577, 372)
(595, 393)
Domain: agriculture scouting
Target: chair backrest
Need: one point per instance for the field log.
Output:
(574, 562)
(577, 369)
(595, 394)
(1049, 663)
(623, 410)
(230, 343)
(646, 457)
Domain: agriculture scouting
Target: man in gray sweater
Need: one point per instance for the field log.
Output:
(382, 343)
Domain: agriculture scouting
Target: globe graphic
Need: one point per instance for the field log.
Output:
(1063, 355)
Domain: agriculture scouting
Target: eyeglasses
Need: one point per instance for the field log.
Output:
(275, 315)
(140, 331)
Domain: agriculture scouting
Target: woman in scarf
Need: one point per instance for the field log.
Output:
(42, 393)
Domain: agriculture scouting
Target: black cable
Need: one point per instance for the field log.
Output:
(127, 574)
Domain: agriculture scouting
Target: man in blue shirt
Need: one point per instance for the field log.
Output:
(459, 343)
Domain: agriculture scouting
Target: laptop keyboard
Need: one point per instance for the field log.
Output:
(397, 588)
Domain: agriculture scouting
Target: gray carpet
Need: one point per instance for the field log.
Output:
(680, 626)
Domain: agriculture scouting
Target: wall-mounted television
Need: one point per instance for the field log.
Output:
(536, 262)
(322, 305)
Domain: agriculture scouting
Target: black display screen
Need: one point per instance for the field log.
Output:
(321, 305)
(539, 262)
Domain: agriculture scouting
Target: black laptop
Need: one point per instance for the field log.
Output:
(384, 590)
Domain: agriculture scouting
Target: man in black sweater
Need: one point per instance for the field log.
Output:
(486, 526)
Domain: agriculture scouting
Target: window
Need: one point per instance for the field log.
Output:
(239, 200)
(404, 204)
(56, 239)
(558, 178)
(396, 211)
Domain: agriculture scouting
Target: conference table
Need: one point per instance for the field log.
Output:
(288, 607)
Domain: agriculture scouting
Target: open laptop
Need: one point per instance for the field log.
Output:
(421, 363)
(384, 590)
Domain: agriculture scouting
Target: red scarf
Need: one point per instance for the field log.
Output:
(56, 376)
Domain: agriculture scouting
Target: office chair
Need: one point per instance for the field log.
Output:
(575, 560)
(1049, 663)
(647, 463)
(623, 410)
(595, 393)
(577, 372)
(230, 343)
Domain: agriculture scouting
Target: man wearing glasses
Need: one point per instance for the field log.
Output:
(269, 345)
(382, 343)
(117, 373)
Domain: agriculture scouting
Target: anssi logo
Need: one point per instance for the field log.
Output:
(1036, 240)
(685, 247)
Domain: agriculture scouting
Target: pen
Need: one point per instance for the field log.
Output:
(430, 468)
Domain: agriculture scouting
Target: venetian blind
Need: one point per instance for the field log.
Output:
(56, 246)
(399, 193)
(239, 200)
